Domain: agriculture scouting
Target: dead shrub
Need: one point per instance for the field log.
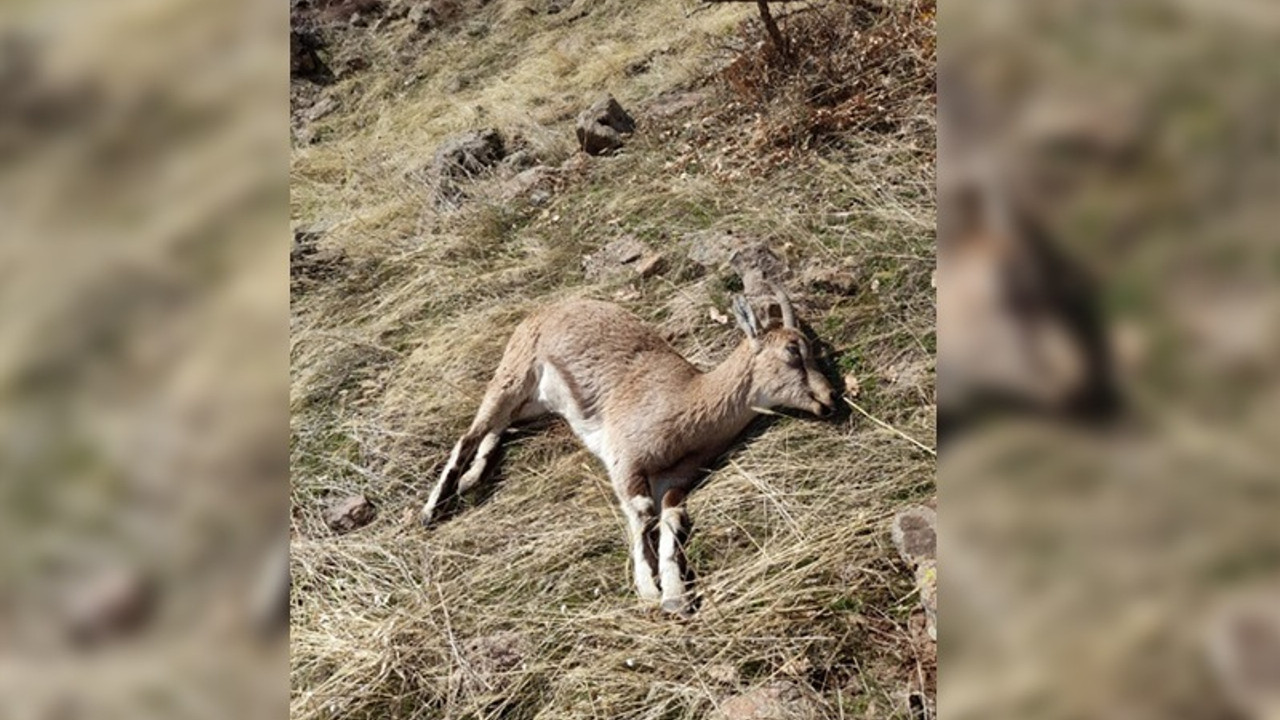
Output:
(849, 66)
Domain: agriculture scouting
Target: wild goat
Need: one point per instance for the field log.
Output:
(652, 418)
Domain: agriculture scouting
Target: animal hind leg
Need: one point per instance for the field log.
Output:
(471, 454)
(484, 454)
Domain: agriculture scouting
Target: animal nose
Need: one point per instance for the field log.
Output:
(824, 408)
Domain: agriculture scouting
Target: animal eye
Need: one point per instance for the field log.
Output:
(793, 353)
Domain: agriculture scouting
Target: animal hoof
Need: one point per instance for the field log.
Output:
(677, 607)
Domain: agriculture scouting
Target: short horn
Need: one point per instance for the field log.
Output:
(784, 303)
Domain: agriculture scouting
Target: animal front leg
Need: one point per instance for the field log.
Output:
(671, 560)
(633, 495)
(639, 510)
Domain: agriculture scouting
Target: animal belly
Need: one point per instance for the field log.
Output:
(558, 395)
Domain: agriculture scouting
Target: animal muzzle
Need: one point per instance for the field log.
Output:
(823, 404)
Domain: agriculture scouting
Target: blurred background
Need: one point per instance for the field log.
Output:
(1109, 336)
(143, 359)
(1108, 177)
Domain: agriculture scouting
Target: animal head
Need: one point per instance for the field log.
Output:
(1017, 318)
(783, 370)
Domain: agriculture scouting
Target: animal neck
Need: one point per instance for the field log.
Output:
(722, 397)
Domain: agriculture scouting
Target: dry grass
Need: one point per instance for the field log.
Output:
(848, 65)
(522, 607)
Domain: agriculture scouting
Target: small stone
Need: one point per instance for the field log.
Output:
(325, 106)
(915, 534)
(521, 160)
(650, 264)
(350, 513)
(461, 158)
(601, 126)
(527, 183)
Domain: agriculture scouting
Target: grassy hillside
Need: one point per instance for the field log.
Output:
(521, 604)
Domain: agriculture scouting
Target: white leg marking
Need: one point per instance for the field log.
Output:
(638, 510)
(673, 590)
(429, 510)
(478, 466)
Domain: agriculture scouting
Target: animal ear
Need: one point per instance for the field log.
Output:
(746, 317)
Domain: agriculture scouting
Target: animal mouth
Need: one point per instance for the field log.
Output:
(822, 409)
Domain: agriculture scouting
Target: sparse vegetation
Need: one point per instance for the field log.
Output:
(520, 606)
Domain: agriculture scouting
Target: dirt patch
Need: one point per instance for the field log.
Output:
(493, 662)
(777, 701)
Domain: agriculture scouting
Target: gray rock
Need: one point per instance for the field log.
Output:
(915, 535)
(461, 158)
(533, 184)
(758, 266)
(520, 160)
(323, 107)
(601, 126)
(350, 513)
(620, 255)
(468, 154)
(710, 249)
(651, 264)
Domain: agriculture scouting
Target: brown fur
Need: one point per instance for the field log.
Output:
(654, 418)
